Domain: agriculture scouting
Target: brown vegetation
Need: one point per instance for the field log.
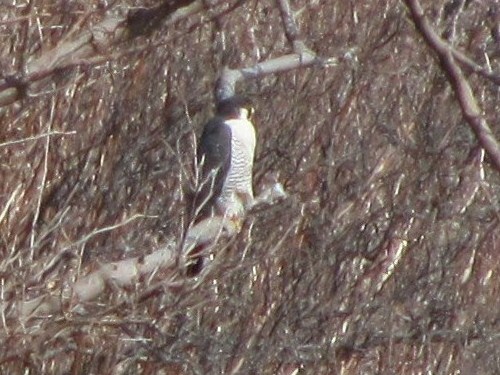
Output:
(384, 257)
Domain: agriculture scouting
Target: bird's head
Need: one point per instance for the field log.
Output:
(235, 107)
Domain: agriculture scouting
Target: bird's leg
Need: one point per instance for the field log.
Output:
(246, 198)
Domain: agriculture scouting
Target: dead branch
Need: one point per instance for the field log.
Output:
(95, 44)
(127, 271)
(468, 103)
(301, 57)
(124, 273)
(291, 29)
(205, 233)
(475, 67)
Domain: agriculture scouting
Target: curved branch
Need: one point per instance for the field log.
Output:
(468, 103)
(125, 272)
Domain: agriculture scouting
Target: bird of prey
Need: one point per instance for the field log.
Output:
(225, 160)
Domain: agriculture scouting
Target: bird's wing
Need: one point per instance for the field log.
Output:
(214, 158)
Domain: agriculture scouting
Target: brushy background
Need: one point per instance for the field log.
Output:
(384, 258)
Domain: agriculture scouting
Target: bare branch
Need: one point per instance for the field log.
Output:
(476, 68)
(291, 28)
(125, 272)
(226, 85)
(95, 43)
(302, 57)
(468, 103)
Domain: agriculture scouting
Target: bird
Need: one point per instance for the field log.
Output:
(225, 157)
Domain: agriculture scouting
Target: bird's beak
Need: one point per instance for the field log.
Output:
(247, 113)
(251, 112)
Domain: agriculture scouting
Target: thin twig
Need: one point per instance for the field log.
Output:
(475, 67)
(106, 229)
(36, 137)
(41, 187)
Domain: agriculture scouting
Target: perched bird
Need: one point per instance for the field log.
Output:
(225, 160)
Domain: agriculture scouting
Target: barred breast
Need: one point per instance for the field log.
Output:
(239, 177)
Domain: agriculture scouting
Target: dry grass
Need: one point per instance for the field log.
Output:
(384, 259)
